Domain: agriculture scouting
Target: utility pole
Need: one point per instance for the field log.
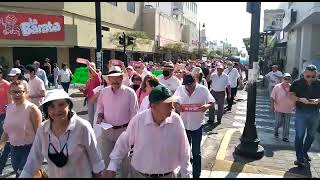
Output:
(99, 52)
(249, 146)
(124, 50)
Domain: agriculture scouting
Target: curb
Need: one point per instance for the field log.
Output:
(224, 165)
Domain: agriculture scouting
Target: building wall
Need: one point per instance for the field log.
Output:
(162, 26)
(63, 56)
(315, 42)
(164, 7)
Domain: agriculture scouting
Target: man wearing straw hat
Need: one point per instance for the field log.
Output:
(116, 105)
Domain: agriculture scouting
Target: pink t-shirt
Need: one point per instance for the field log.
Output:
(281, 96)
(4, 88)
(91, 84)
(141, 95)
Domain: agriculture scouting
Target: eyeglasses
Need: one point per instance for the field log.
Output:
(310, 77)
(17, 92)
(287, 79)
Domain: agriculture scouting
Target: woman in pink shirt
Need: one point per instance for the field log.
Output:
(142, 92)
(283, 106)
(20, 125)
(4, 90)
(93, 82)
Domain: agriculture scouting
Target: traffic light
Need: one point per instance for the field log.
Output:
(121, 40)
(130, 40)
(262, 38)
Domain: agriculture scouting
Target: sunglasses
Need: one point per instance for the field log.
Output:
(287, 79)
(16, 92)
(312, 77)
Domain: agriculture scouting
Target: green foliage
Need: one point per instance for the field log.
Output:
(140, 36)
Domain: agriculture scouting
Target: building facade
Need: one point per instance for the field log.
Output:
(77, 33)
(302, 25)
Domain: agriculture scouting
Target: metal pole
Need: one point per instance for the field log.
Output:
(99, 53)
(249, 146)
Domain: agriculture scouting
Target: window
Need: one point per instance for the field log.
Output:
(131, 7)
(113, 3)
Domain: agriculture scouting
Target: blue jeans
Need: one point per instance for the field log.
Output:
(19, 155)
(4, 156)
(195, 138)
(6, 151)
(305, 121)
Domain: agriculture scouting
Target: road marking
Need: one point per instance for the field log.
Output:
(243, 118)
(224, 144)
(236, 124)
(241, 112)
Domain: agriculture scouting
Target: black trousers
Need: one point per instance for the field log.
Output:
(233, 94)
(65, 86)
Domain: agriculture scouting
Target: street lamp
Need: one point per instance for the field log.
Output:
(199, 43)
(249, 146)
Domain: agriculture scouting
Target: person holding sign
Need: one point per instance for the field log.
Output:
(194, 102)
(93, 82)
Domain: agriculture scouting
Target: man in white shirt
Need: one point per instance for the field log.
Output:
(194, 102)
(159, 141)
(234, 77)
(274, 77)
(219, 82)
(36, 88)
(40, 73)
(168, 79)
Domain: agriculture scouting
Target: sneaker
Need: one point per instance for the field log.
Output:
(285, 140)
(306, 157)
(276, 134)
(299, 164)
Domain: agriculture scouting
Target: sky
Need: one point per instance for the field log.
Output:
(229, 20)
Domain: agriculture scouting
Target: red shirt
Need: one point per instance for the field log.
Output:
(91, 84)
(4, 89)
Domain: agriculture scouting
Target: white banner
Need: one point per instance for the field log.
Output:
(273, 20)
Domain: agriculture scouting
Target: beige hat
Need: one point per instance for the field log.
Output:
(196, 70)
(114, 71)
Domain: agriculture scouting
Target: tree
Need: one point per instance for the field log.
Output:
(140, 36)
(218, 52)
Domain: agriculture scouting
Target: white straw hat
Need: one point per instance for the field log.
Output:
(55, 94)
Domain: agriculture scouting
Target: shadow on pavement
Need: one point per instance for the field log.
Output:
(82, 112)
(208, 128)
(305, 171)
(237, 165)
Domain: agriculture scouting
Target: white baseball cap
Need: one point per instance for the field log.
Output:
(55, 94)
(14, 71)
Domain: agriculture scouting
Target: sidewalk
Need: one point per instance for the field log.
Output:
(277, 161)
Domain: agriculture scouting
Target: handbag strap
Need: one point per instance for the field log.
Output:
(229, 71)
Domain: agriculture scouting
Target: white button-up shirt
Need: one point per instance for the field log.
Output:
(84, 155)
(201, 96)
(157, 149)
(219, 83)
(172, 83)
(233, 75)
(275, 77)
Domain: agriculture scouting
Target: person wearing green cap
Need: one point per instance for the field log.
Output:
(159, 141)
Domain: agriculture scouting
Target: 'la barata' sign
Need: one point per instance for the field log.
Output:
(24, 26)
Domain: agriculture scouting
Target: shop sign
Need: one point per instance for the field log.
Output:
(25, 26)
